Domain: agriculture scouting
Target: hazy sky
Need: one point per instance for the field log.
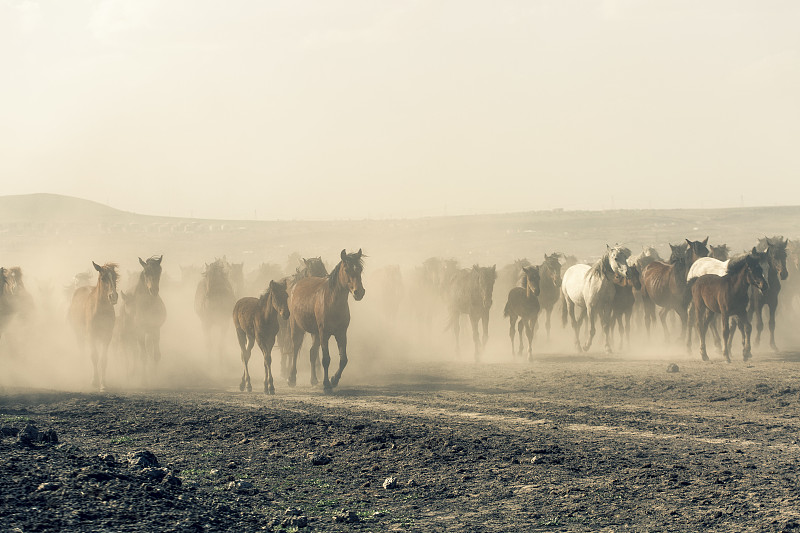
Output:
(389, 108)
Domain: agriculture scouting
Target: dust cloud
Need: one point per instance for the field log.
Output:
(400, 323)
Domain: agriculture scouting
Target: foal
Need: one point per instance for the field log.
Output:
(523, 304)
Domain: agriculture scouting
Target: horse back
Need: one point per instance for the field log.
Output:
(244, 313)
(712, 292)
(303, 302)
(520, 304)
(659, 281)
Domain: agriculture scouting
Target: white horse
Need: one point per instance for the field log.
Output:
(707, 265)
(592, 289)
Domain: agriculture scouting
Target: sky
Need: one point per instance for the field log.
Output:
(292, 109)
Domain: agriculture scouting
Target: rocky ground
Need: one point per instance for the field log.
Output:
(563, 444)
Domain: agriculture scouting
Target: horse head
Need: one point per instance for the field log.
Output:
(350, 270)
(695, 250)
(634, 277)
(280, 298)
(776, 251)
(531, 274)
(314, 267)
(107, 281)
(755, 274)
(719, 252)
(151, 274)
(618, 259)
(486, 277)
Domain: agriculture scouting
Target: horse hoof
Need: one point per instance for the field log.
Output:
(249, 388)
(704, 356)
(335, 381)
(314, 381)
(291, 382)
(241, 386)
(327, 389)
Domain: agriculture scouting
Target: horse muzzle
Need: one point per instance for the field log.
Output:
(784, 274)
(358, 294)
(285, 314)
(112, 298)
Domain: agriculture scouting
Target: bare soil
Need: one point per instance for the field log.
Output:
(566, 443)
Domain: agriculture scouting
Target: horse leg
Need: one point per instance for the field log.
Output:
(547, 312)
(521, 327)
(702, 327)
(313, 356)
(748, 328)
(297, 334)
(683, 314)
(607, 325)
(726, 335)
(323, 339)
(530, 327)
(758, 308)
(341, 342)
(456, 319)
(485, 319)
(476, 336)
(95, 356)
(628, 314)
(715, 333)
(103, 363)
(155, 345)
(266, 343)
(591, 314)
(662, 314)
(773, 309)
(246, 345)
(575, 326)
(512, 319)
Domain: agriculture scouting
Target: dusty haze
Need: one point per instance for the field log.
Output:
(310, 110)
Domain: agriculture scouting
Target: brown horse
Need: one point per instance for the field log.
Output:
(664, 284)
(624, 299)
(727, 296)
(470, 293)
(320, 307)
(720, 252)
(775, 248)
(256, 320)
(312, 267)
(213, 302)
(549, 286)
(149, 312)
(7, 304)
(91, 314)
(523, 305)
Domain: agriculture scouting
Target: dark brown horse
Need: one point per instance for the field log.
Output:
(549, 286)
(720, 252)
(727, 296)
(149, 312)
(7, 304)
(213, 302)
(470, 293)
(664, 285)
(624, 299)
(775, 248)
(256, 320)
(523, 305)
(91, 315)
(126, 339)
(320, 307)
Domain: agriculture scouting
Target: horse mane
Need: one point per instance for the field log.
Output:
(357, 261)
(736, 264)
(114, 270)
(601, 268)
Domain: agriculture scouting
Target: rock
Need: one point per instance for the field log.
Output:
(318, 459)
(292, 511)
(346, 517)
(107, 458)
(143, 459)
(295, 521)
(31, 436)
(48, 486)
(155, 474)
(390, 483)
(7, 431)
(241, 486)
(173, 481)
(672, 368)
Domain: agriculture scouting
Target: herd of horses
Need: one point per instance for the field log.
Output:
(699, 283)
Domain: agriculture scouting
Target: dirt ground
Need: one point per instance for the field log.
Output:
(565, 443)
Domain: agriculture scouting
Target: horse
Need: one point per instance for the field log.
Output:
(91, 315)
(549, 287)
(624, 299)
(213, 302)
(23, 300)
(256, 320)
(727, 296)
(320, 307)
(125, 339)
(149, 312)
(592, 289)
(470, 293)
(312, 267)
(7, 304)
(775, 248)
(664, 284)
(644, 258)
(523, 305)
(720, 252)
(237, 277)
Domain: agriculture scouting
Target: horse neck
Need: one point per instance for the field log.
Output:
(98, 296)
(339, 287)
(738, 283)
(269, 307)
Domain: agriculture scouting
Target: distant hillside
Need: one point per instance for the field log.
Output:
(55, 208)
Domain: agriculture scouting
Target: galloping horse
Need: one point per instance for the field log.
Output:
(622, 306)
(549, 286)
(149, 313)
(728, 296)
(470, 292)
(320, 306)
(523, 304)
(592, 289)
(665, 285)
(256, 320)
(213, 302)
(91, 314)
(775, 248)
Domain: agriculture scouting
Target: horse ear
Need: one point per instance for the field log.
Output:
(608, 248)
(284, 283)
(754, 251)
(142, 262)
(494, 267)
(705, 241)
(97, 267)
(359, 254)
(160, 257)
(688, 242)
(343, 255)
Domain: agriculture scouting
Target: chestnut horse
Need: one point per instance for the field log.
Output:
(775, 248)
(256, 320)
(7, 304)
(549, 286)
(622, 306)
(727, 296)
(320, 307)
(91, 314)
(149, 312)
(523, 305)
(664, 284)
